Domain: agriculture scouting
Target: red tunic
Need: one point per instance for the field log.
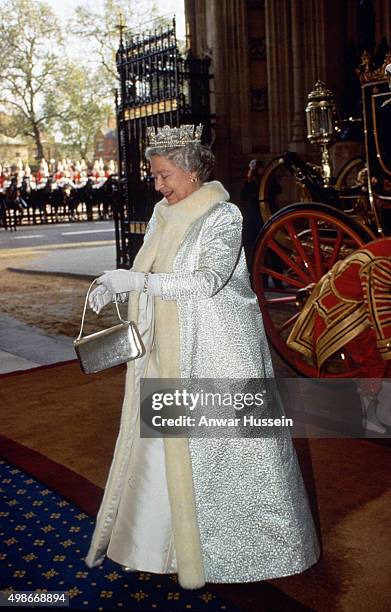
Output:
(351, 307)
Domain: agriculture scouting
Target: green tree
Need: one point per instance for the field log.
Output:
(31, 36)
(99, 26)
(83, 109)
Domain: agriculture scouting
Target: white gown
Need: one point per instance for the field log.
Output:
(144, 509)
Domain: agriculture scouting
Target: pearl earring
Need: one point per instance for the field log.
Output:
(193, 179)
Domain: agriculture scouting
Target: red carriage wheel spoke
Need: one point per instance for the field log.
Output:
(289, 299)
(288, 323)
(337, 248)
(281, 277)
(297, 244)
(319, 268)
(289, 262)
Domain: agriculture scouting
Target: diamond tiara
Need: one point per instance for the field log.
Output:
(174, 137)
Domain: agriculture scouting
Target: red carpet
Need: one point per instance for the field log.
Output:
(72, 424)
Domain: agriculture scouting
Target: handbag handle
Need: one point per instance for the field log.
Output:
(85, 308)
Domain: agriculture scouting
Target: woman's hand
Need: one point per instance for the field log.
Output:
(122, 281)
(99, 298)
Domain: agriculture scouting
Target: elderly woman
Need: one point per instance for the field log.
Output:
(213, 510)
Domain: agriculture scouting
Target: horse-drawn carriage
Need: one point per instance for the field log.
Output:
(300, 242)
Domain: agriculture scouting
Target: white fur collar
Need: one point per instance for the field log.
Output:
(192, 207)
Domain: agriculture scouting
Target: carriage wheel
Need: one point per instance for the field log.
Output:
(284, 272)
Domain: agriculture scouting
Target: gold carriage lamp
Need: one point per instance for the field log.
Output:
(321, 123)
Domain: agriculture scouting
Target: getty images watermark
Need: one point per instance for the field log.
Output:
(264, 408)
(194, 402)
(210, 408)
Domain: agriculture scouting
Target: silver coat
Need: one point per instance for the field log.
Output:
(252, 509)
(253, 512)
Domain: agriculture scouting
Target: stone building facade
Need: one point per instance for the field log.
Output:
(106, 144)
(266, 57)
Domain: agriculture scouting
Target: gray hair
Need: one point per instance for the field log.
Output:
(193, 157)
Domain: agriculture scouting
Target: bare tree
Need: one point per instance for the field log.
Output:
(100, 28)
(30, 33)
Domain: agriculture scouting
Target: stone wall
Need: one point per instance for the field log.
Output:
(266, 57)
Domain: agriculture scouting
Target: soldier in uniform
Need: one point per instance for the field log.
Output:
(350, 308)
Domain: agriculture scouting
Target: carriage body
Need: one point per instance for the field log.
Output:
(377, 130)
(299, 243)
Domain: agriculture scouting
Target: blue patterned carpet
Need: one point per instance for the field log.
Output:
(43, 540)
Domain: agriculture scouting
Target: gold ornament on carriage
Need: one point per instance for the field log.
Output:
(367, 73)
(167, 136)
(321, 123)
(321, 115)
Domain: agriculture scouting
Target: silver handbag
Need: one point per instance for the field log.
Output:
(109, 347)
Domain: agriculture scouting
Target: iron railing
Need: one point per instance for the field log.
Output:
(158, 86)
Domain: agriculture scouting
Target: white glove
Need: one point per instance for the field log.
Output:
(122, 281)
(99, 298)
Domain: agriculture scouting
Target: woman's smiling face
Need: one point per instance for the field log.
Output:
(173, 183)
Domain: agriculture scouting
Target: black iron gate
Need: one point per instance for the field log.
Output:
(158, 86)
